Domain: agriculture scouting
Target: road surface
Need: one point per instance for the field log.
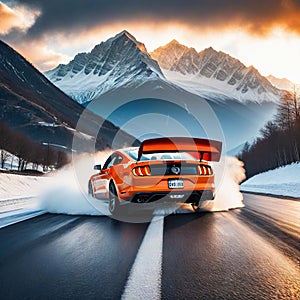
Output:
(249, 253)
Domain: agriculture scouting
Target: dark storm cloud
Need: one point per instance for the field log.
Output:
(256, 16)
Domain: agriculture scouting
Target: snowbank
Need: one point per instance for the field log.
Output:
(15, 186)
(19, 197)
(284, 181)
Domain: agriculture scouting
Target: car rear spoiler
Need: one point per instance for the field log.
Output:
(208, 150)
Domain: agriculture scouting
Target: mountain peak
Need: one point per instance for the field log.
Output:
(209, 50)
(126, 34)
(169, 53)
(174, 42)
(215, 69)
(129, 37)
(113, 63)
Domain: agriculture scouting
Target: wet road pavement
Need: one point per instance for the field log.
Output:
(248, 253)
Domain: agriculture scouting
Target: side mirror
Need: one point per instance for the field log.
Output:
(97, 167)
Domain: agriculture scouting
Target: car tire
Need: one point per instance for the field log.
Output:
(90, 189)
(114, 202)
(196, 207)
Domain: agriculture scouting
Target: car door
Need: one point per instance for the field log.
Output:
(101, 180)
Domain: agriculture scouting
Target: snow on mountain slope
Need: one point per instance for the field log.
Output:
(214, 75)
(216, 90)
(283, 181)
(120, 61)
(282, 83)
(121, 69)
(123, 61)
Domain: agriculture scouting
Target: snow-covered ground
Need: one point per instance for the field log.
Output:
(283, 181)
(19, 197)
(14, 186)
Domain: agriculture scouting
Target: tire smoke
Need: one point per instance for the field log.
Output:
(65, 195)
(227, 180)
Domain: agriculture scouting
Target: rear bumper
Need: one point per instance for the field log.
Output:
(153, 188)
(174, 196)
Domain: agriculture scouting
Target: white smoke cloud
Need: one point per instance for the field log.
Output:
(68, 194)
(228, 176)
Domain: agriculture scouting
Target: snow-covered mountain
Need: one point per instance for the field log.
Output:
(121, 69)
(282, 83)
(213, 74)
(119, 61)
(122, 61)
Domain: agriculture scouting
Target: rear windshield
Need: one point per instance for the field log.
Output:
(133, 153)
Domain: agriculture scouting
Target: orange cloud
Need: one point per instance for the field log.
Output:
(40, 55)
(8, 19)
(258, 17)
(234, 27)
(283, 14)
(19, 17)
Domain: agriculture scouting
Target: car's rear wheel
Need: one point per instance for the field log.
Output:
(207, 197)
(196, 207)
(114, 203)
(90, 189)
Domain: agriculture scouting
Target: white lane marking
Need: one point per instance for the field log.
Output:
(144, 281)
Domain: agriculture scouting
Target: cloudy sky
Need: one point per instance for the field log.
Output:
(263, 33)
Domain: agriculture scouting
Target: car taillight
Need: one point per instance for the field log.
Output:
(141, 171)
(205, 170)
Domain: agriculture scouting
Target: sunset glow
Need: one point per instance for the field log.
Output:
(273, 49)
(19, 17)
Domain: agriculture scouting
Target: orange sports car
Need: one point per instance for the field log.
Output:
(161, 169)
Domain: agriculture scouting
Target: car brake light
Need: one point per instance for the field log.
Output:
(205, 170)
(141, 171)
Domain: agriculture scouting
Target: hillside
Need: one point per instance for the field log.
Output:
(31, 104)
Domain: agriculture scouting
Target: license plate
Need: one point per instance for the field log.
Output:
(175, 184)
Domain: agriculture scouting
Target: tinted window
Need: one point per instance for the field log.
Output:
(113, 160)
(160, 156)
(118, 160)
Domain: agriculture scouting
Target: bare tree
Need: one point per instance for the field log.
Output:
(285, 114)
(26, 151)
(296, 102)
(4, 156)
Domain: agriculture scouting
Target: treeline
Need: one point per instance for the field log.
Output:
(16, 144)
(279, 143)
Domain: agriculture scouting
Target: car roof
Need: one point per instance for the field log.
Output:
(128, 149)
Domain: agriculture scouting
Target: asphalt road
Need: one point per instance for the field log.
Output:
(249, 253)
